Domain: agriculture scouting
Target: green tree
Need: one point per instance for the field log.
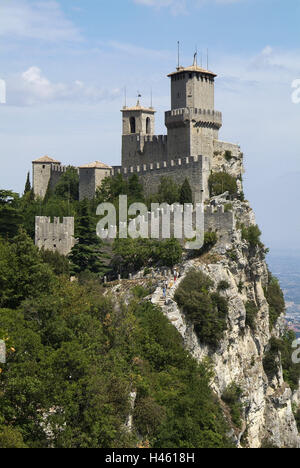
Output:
(186, 194)
(221, 182)
(22, 271)
(111, 188)
(10, 213)
(207, 310)
(168, 191)
(275, 299)
(11, 438)
(27, 184)
(135, 188)
(169, 252)
(68, 185)
(252, 235)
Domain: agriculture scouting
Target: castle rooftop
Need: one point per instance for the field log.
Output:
(95, 165)
(138, 108)
(192, 68)
(46, 159)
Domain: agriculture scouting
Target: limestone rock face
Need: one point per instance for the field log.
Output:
(268, 414)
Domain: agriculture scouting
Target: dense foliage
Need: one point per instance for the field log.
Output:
(275, 298)
(252, 235)
(134, 254)
(207, 310)
(73, 357)
(232, 397)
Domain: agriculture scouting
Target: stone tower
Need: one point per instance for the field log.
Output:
(138, 123)
(193, 124)
(91, 177)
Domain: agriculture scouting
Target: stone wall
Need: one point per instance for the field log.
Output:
(219, 221)
(54, 236)
(179, 170)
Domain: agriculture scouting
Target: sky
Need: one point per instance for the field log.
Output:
(66, 64)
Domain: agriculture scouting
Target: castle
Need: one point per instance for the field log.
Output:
(191, 150)
(187, 151)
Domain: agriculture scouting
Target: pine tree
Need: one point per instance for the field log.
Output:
(28, 184)
(10, 214)
(86, 254)
(186, 194)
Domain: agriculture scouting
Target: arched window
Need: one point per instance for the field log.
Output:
(148, 126)
(132, 124)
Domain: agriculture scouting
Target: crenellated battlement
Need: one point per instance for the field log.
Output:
(175, 117)
(59, 168)
(157, 166)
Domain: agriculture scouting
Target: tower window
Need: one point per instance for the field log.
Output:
(132, 125)
(148, 125)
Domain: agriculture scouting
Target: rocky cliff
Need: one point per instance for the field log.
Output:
(267, 401)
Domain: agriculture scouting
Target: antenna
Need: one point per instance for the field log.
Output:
(178, 44)
(125, 97)
(151, 104)
(195, 57)
(207, 60)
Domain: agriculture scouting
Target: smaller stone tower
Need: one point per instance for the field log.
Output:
(138, 123)
(91, 177)
(41, 174)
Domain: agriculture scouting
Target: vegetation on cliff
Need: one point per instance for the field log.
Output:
(206, 310)
(74, 355)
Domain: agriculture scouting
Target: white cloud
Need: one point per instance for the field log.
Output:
(42, 20)
(32, 88)
(181, 6)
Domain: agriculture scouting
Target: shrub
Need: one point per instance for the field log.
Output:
(228, 207)
(282, 348)
(186, 194)
(221, 182)
(270, 360)
(231, 397)
(207, 311)
(148, 416)
(135, 254)
(275, 299)
(169, 252)
(232, 254)
(251, 314)
(210, 240)
(223, 285)
(228, 156)
(252, 235)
